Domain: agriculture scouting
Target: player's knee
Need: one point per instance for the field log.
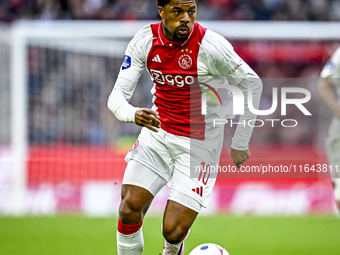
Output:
(174, 234)
(130, 213)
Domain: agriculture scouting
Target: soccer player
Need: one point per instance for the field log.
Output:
(330, 79)
(185, 61)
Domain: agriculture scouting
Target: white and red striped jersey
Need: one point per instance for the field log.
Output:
(181, 72)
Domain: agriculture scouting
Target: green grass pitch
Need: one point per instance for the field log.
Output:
(71, 235)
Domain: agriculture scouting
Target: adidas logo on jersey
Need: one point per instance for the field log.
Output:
(198, 190)
(157, 59)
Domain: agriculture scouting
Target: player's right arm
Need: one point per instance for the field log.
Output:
(131, 69)
(326, 94)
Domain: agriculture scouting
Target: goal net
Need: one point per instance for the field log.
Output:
(64, 150)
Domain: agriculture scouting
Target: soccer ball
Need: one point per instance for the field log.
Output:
(209, 249)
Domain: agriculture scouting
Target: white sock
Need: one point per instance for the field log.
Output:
(130, 244)
(173, 249)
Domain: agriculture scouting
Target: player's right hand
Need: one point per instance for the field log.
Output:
(148, 118)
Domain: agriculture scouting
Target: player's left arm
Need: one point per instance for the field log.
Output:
(222, 60)
(240, 141)
(251, 86)
(239, 156)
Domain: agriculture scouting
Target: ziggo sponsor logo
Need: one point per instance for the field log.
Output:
(169, 79)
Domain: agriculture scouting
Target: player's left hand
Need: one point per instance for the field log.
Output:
(239, 156)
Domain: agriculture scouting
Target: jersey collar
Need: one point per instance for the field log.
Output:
(164, 41)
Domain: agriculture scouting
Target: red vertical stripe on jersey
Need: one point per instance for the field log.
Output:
(178, 94)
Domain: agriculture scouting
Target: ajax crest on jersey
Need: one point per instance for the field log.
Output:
(209, 249)
(185, 61)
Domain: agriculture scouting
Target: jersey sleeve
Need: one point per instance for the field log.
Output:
(220, 60)
(250, 84)
(136, 55)
(131, 69)
(332, 68)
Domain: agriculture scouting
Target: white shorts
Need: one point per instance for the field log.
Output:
(171, 159)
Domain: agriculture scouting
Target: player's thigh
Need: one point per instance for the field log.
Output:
(151, 151)
(135, 203)
(333, 154)
(138, 174)
(192, 181)
(140, 185)
(188, 192)
(185, 201)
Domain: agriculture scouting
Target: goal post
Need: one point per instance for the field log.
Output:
(98, 46)
(19, 138)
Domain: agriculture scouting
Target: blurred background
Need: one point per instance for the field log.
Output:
(62, 150)
(269, 10)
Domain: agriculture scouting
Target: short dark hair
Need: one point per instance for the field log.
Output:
(164, 2)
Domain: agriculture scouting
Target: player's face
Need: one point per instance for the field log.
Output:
(178, 18)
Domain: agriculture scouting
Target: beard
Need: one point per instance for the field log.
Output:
(180, 38)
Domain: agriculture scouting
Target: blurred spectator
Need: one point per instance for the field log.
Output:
(312, 10)
(68, 90)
